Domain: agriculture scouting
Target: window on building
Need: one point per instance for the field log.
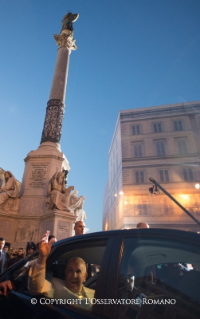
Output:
(139, 177)
(182, 146)
(164, 175)
(178, 125)
(136, 129)
(138, 150)
(188, 174)
(142, 209)
(157, 127)
(160, 148)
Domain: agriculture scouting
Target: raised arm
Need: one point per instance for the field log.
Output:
(37, 282)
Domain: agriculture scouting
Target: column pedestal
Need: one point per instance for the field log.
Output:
(40, 166)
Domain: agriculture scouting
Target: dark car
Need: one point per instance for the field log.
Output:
(137, 273)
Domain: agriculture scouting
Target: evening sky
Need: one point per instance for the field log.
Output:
(131, 54)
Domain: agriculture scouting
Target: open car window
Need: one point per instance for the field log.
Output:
(18, 274)
(53, 285)
(158, 278)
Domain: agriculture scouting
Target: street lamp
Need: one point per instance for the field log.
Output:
(120, 193)
(197, 186)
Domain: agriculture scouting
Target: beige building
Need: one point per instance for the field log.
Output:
(160, 142)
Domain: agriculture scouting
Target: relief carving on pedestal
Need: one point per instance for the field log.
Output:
(31, 206)
(27, 232)
(9, 193)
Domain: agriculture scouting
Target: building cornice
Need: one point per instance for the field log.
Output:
(165, 110)
(194, 164)
(148, 158)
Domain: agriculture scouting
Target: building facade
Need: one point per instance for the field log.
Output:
(161, 142)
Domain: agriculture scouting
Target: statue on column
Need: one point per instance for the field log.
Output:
(67, 21)
(9, 193)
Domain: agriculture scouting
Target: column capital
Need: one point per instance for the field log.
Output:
(65, 40)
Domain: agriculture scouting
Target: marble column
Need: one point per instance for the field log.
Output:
(55, 106)
(34, 216)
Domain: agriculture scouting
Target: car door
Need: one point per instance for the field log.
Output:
(97, 253)
(157, 276)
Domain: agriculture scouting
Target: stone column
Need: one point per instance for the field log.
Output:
(55, 106)
(40, 165)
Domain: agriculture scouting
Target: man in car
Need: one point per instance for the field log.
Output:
(75, 275)
(79, 228)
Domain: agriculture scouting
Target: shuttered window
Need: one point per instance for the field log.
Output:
(178, 125)
(164, 175)
(188, 174)
(136, 130)
(157, 127)
(139, 177)
(138, 150)
(160, 148)
(182, 146)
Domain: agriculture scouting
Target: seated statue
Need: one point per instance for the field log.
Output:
(9, 193)
(77, 204)
(75, 201)
(58, 195)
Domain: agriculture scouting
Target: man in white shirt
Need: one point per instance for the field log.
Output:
(71, 288)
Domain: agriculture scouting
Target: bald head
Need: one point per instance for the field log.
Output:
(142, 225)
(79, 228)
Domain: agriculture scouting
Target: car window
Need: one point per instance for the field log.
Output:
(160, 279)
(55, 285)
(19, 275)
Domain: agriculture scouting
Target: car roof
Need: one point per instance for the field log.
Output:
(137, 232)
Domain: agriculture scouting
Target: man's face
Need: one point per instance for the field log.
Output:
(30, 251)
(2, 243)
(75, 275)
(5, 249)
(79, 228)
(20, 252)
